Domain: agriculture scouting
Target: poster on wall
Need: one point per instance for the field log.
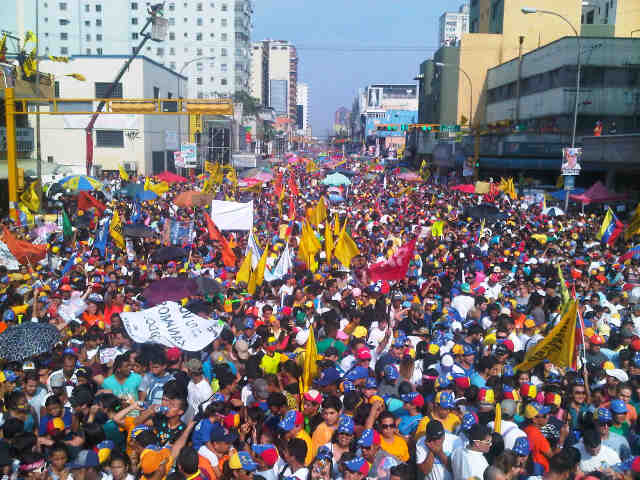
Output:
(571, 161)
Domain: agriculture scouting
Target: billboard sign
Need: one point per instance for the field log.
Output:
(189, 154)
(571, 161)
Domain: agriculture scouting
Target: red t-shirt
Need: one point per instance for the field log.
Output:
(538, 444)
(108, 311)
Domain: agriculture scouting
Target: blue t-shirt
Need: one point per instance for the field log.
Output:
(129, 387)
(44, 420)
(154, 387)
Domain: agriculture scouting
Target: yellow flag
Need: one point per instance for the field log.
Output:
(210, 167)
(309, 237)
(634, 224)
(77, 76)
(497, 422)
(319, 213)
(310, 364)
(336, 225)
(115, 229)
(541, 238)
(232, 177)
(251, 287)
(244, 272)
(27, 213)
(564, 291)
(30, 197)
(218, 175)
(262, 264)
(608, 220)
(328, 242)
(437, 229)
(257, 188)
(345, 248)
(147, 184)
(157, 188)
(123, 173)
(558, 346)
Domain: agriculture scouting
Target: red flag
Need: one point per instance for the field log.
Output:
(493, 193)
(395, 268)
(228, 257)
(293, 186)
(86, 201)
(277, 186)
(292, 208)
(25, 252)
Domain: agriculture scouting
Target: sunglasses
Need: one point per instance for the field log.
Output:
(387, 426)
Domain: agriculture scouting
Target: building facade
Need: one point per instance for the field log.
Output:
(142, 143)
(259, 73)
(304, 114)
(209, 42)
(452, 25)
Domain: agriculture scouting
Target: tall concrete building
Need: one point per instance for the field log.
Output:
(209, 42)
(304, 114)
(274, 77)
(452, 25)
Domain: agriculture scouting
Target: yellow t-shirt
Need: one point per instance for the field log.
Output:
(321, 436)
(450, 424)
(270, 364)
(398, 447)
(307, 439)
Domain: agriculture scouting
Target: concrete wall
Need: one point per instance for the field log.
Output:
(627, 18)
(63, 137)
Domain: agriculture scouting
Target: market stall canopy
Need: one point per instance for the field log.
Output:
(336, 179)
(170, 177)
(598, 193)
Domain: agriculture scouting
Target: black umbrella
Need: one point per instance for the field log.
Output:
(137, 230)
(169, 289)
(168, 253)
(489, 212)
(207, 285)
(17, 343)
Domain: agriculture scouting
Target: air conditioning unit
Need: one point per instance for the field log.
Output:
(130, 166)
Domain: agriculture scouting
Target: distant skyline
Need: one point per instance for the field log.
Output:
(337, 44)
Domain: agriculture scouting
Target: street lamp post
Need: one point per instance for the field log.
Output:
(440, 64)
(578, 62)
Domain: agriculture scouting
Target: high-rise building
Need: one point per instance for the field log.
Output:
(452, 26)
(303, 108)
(209, 42)
(274, 76)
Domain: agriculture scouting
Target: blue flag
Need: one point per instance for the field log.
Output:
(102, 237)
(69, 265)
(137, 212)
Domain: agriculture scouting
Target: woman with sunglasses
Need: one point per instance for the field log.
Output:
(342, 440)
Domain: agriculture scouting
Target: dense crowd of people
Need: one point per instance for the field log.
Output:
(416, 378)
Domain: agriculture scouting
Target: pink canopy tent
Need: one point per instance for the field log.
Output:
(598, 193)
(466, 188)
(170, 177)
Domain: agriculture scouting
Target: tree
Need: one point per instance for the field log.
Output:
(250, 105)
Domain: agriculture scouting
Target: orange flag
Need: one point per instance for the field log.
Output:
(277, 187)
(86, 201)
(228, 257)
(292, 208)
(293, 186)
(25, 252)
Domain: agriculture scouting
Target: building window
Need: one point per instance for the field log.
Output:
(223, 67)
(56, 89)
(186, 35)
(46, 34)
(172, 51)
(98, 22)
(199, 81)
(64, 36)
(199, 36)
(156, 92)
(87, 8)
(134, 21)
(63, 22)
(110, 138)
(200, 95)
(172, 21)
(87, 23)
(172, 65)
(98, 8)
(160, 51)
(134, 36)
(223, 81)
(172, 36)
(199, 66)
(223, 52)
(88, 51)
(186, 19)
(172, 7)
(212, 35)
(88, 37)
(223, 22)
(64, 51)
(98, 37)
(49, 158)
(224, 7)
(101, 89)
(199, 7)
(213, 20)
(199, 52)
(199, 22)
(62, 5)
(134, 5)
(99, 51)
(46, 19)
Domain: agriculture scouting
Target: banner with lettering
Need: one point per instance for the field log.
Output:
(171, 325)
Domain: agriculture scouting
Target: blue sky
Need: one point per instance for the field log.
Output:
(321, 26)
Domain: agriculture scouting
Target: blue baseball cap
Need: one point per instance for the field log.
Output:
(618, 406)
(468, 421)
(603, 415)
(357, 465)
(221, 434)
(371, 383)
(391, 372)
(9, 315)
(345, 425)
(242, 461)
(368, 437)
(521, 447)
(291, 419)
(348, 386)
(249, 322)
(445, 399)
(328, 376)
(85, 459)
(10, 376)
(357, 373)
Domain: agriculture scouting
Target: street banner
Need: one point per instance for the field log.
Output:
(189, 155)
(7, 259)
(177, 233)
(571, 161)
(171, 325)
(395, 268)
(232, 215)
(177, 159)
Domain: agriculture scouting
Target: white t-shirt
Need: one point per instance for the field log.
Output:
(468, 463)
(510, 433)
(605, 458)
(463, 303)
(196, 394)
(439, 471)
(209, 455)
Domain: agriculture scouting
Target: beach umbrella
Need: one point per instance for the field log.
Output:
(137, 230)
(207, 285)
(192, 199)
(166, 254)
(553, 212)
(80, 183)
(336, 179)
(333, 198)
(19, 342)
(169, 290)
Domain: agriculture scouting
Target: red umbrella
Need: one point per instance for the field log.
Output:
(170, 177)
(468, 188)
